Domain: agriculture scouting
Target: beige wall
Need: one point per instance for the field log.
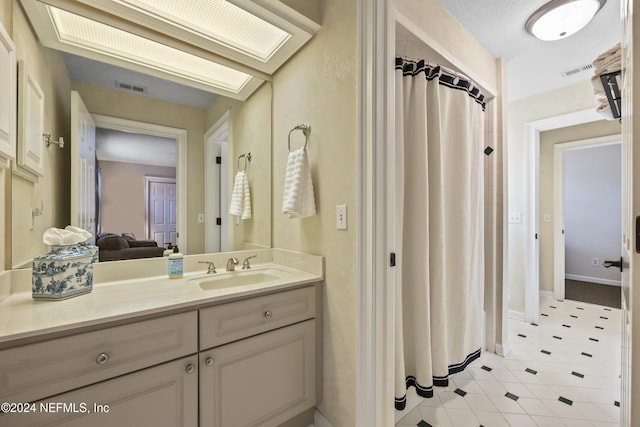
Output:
(6, 19)
(569, 99)
(319, 86)
(123, 196)
(52, 190)
(250, 132)
(547, 140)
(115, 103)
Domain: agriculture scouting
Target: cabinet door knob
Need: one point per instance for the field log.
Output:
(268, 315)
(209, 361)
(102, 359)
(191, 368)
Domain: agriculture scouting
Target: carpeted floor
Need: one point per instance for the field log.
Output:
(593, 293)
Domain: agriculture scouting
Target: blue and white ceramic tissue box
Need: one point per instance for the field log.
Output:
(65, 272)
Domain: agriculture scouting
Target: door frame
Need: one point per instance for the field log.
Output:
(558, 202)
(532, 213)
(216, 188)
(148, 179)
(180, 136)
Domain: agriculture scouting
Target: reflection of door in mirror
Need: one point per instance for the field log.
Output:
(83, 164)
(216, 204)
(161, 209)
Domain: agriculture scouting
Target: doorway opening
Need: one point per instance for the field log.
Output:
(168, 135)
(588, 220)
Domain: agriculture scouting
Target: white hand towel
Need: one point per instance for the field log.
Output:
(246, 199)
(240, 196)
(298, 199)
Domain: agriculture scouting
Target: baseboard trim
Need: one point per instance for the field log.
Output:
(593, 280)
(516, 315)
(503, 349)
(546, 294)
(320, 421)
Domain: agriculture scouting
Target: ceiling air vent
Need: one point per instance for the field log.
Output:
(131, 87)
(577, 70)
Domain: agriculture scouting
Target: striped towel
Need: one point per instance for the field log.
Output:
(298, 199)
(240, 196)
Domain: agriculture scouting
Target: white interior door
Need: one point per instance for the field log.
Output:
(161, 210)
(83, 167)
(630, 399)
(215, 186)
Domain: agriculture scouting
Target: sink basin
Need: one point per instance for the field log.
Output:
(241, 278)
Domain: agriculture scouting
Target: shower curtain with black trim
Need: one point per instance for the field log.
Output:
(439, 220)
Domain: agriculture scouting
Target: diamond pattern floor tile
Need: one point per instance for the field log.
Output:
(562, 372)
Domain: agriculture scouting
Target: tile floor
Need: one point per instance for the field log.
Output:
(563, 372)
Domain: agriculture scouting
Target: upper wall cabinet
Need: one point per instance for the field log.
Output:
(29, 163)
(8, 93)
(226, 47)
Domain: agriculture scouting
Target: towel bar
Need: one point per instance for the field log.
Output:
(306, 130)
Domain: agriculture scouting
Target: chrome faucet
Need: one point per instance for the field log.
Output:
(231, 263)
(245, 263)
(212, 267)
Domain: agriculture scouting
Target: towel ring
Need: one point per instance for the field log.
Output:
(306, 130)
(247, 157)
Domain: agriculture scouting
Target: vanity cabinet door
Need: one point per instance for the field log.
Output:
(163, 396)
(259, 381)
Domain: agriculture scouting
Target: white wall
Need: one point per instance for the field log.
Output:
(569, 99)
(592, 210)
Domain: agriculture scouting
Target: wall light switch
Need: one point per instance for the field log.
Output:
(200, 218)
(341, 217)
(515, 218)
(547, 217)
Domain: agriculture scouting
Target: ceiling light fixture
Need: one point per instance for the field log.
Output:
(559, 19)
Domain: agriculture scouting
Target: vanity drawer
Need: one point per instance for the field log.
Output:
(236, 320)
(43, 369)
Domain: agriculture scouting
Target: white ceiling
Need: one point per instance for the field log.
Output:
(535, 66)
(117, 146)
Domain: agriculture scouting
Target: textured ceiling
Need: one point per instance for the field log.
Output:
(535, 66)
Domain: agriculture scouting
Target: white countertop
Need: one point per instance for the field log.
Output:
(23, 317)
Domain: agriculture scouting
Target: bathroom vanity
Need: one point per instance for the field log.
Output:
(226, 349)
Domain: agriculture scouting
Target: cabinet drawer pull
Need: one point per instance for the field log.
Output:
(191, 368)
(102, 359)
(268, 315)
(209, 361)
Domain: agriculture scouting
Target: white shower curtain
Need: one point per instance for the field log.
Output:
(440, 269)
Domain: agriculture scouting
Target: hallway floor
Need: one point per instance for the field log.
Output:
(563, 372)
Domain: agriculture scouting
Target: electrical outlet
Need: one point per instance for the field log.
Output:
(200, 218)
(595, 262)
(341, 217)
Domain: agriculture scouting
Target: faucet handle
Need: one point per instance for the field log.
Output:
(245, 263)
(212, 267)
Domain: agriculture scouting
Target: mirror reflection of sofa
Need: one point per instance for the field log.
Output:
(115, 247)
